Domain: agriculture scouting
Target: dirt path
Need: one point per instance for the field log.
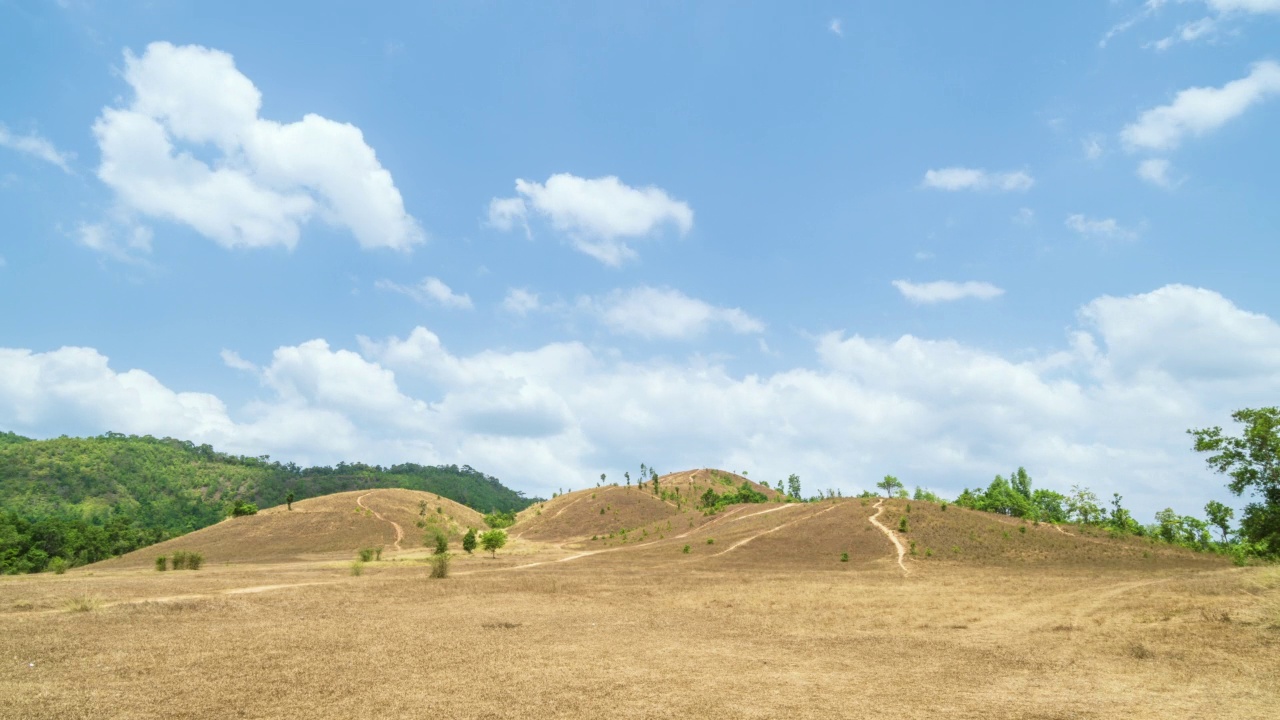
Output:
(774, 529)
(394, 524)
(902, 551)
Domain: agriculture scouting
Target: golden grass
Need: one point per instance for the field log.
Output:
(766, 622)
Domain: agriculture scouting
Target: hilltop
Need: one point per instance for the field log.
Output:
(87, 499)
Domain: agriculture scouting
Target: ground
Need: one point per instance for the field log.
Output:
(765, 621)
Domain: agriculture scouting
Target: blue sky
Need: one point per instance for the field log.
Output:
(551, 240)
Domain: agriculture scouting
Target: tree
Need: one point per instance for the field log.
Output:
(601, 478)
(442, 542)
(289, 499)
(1252, 461)
(469, 540)
(1083, 504)
(793, 486)
(493, 541)
(889, 484)
(1220, 517)
(627, 475)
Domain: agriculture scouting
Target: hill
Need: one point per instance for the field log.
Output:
(88, 499)
(329, 527)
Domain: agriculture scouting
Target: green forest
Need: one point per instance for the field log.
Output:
(89, 499)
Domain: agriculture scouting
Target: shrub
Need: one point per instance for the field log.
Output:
(902, 525)
(377, 553)
(469, 540)
(440, 565)
(928, 552)
(442, 543)
(366, 555)
(685, 550)
(944, 507)
(357, 568)
(711, 541)
(83, 603)
(844, 557)
(59, 565)
(913, 547)
(162, 563)
(180, 560)
(194, 560)
(499, 520)
(242, 508)
(1023, 529)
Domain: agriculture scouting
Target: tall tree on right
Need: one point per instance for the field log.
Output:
(1252, 461)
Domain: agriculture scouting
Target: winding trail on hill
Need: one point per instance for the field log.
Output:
(394, 524)
(773, 529)
(902, 551)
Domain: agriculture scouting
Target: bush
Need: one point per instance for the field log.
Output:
(59, 565)
(685, 550)
(442, 543)
(440, 565)
(913, 547)
(944, 507)
(469, 540)
(180, 560)
(242, 508)
(844, 557)
(711, 541)
(194, 560)
(499, 520)
(366, 554)
(377, 553)
(902, 525)
(162, 563)
(357, 568)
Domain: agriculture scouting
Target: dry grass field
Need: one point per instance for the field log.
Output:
(760, 618)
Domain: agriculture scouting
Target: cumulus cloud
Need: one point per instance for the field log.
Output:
(946, 291)
(598, 215)
(1201, 110)
(1092, 147)
(1107, 409)
(267, 179)
(520, 301)
(1104, 228)
(649, 312)
(232, 359)
(961, 178)
(1157, 172)
(36, 146)
(431, 291)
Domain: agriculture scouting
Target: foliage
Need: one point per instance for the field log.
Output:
(242, 508)
(498, 519)
(59, 565)
(1252, 461)
(493, 540)
(288, 500)
(440, 565)
(162, 563)
(365, 554)
(442, 543)
(844, 557)
(469, 541)
(744, 493)
(903, 526)
(186, 560)
(1219, 516)
(793, 486)
(357, 568)
(685, 550)
(1015, 497)
(890, 484)
(925, 495)
(89, 499)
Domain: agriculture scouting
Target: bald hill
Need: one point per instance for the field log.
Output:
(88, 499)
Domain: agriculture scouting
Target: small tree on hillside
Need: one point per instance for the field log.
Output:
(442, 542)
(493, 541)
(890, 484)
(1083, 504)
(469, 540)
(288, 499)
(793, 486)
(1220, 517)
(601, 478)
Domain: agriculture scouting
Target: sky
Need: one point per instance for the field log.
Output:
(552, 240)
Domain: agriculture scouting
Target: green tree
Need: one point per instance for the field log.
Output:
(469, 540)
(1252, 461)
(601, 478)
(793, 486)
(890, 484)
(1219, 516)
(442, 542)
(1082, 503)
(288, 499)
(493, 541)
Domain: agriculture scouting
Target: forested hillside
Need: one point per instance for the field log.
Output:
(87, 499)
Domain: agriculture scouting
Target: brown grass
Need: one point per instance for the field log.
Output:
(764, 623)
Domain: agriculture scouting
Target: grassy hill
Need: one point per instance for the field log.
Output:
(88, 499)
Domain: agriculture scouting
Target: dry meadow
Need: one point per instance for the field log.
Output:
(985, 618)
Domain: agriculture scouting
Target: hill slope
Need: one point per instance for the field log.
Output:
(86, 499)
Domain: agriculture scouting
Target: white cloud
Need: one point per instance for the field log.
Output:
(946, 291)
(36, 146)
(598, 215)
(119, 239)
(268, 178)
(1106, 228)
(923, 255)
(1188, 32)
(1108, 409)
(1156, 171)
(232, 359)
(836, 26)
(1025, 217)
(431, 291)
(1248, 6)
(1092, 147)
(520, 301)
(961, 178)
(1201, 110)
(665, 313)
